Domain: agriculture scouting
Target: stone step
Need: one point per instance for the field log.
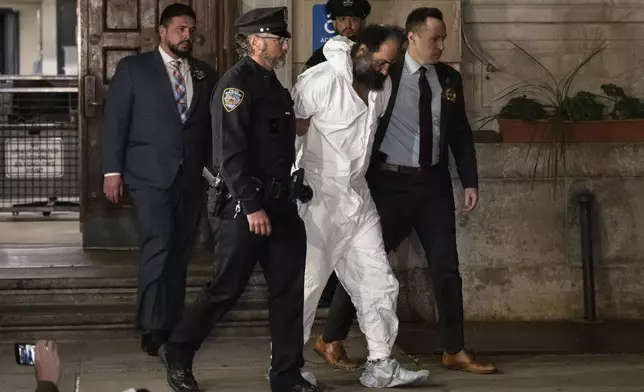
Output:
(109, 296)
(84, 277)
(94, 291)
(112, 317)
(62, 286)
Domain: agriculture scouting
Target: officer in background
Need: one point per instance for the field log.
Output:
(348, 19)
(253, 152)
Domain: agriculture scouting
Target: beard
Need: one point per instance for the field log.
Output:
(349, 33)
(364, 73)
(179, 51)
(274, 62)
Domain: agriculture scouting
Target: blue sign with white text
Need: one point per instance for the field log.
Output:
(322, 26)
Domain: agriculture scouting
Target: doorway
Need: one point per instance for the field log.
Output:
(39, 149)
(9, 28)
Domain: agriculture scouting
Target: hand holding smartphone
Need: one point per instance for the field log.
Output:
(43, 355)
(25, 354)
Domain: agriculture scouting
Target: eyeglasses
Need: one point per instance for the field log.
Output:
(380, 64)
(280, 40)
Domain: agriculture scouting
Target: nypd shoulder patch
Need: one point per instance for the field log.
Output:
(232, 98)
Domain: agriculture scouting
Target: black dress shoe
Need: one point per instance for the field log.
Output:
(153, 339)
(178, 371)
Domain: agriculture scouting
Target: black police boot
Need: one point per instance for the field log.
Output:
(178, 367)
(298, 384)
(304, 386)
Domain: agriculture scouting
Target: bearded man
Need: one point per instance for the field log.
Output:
(155, 137)
(253, 152)
(338, 104)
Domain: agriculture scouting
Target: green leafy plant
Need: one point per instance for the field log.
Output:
(523, 108)
(583, 106)
(552, 103)
(625, 107)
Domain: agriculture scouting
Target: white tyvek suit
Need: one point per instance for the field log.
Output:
(342, 224)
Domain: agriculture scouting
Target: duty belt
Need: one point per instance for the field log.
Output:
(293, 189)
(278, 189)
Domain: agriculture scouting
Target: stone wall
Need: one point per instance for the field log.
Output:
(520, 249)
(559, 33)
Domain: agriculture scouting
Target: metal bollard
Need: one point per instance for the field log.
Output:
(585, 224)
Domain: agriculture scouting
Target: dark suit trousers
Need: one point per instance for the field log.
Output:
(167, 221)
(46, 386)
(423, 202)
(282, 257)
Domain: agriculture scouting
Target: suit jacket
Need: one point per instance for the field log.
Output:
(456, 133)
(143, 136)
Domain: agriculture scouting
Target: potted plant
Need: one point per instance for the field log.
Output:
(545, 112)
(525, 120)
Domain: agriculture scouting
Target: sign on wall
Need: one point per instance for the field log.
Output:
(322, 26)
(34, 157)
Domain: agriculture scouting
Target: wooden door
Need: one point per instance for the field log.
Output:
(110, 30)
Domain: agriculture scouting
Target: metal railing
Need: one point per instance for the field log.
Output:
(39, 144)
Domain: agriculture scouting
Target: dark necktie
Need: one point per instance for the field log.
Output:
(425, 119)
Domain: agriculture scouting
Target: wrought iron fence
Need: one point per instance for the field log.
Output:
(39, 144)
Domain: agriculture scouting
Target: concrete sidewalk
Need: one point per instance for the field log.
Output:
(235, 365)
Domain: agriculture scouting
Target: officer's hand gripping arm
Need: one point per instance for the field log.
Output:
(231, 121)
(302, 126)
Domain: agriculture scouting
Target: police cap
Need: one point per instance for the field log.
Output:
(357, 8)
(271, 20)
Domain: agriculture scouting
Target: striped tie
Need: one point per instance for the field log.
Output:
(180, 91)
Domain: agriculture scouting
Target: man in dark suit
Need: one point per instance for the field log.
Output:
(155, 140)
(411, 185)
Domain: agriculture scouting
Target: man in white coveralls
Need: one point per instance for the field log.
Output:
(339, 103)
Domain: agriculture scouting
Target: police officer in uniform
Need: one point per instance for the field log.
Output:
(252, 207)
(348, 19)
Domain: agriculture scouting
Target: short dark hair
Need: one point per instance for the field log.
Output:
(174, 10)
(373, 36)
(417, 18)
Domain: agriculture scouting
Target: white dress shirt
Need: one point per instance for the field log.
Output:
(185, 71)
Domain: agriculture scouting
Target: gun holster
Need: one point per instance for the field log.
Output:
(298, 190)
(217, 192)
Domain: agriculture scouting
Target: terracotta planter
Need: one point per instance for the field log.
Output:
(517, 131)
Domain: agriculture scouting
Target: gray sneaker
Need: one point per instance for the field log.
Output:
(387, 373)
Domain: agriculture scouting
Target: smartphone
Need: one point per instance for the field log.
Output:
(25, 354)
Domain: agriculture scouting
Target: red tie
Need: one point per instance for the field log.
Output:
(425, 120)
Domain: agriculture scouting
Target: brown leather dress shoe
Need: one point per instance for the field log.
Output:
(466, 363)
(335, 355)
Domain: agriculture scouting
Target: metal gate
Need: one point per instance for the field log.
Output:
(39, 144)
